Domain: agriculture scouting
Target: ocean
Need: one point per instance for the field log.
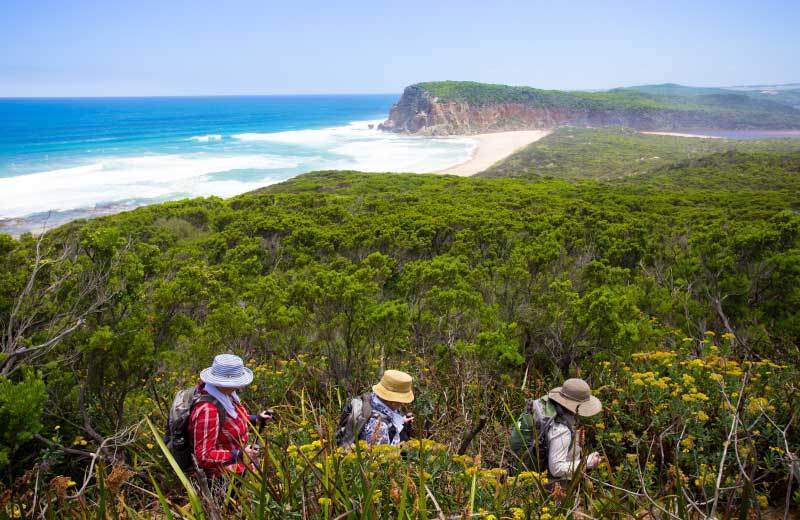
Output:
(62, 159)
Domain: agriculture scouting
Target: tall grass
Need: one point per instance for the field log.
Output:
(682, 434)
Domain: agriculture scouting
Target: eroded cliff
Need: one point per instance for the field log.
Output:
(469, 110)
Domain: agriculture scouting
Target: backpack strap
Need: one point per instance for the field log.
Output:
(366, 406)
(365, 415)
(206, 398)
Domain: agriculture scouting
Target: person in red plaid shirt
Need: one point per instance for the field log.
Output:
(226, 449)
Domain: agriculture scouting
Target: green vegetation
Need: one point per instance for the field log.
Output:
(660, 106)
(674, 292)
(787, 95)
(610, 153)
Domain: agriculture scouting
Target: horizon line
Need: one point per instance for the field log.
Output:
(753, 86)
(139, 96)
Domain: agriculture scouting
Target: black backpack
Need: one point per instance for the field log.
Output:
(176, 434)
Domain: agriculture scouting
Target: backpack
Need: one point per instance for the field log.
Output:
(354, 418)
(176, 433)
(530, 437)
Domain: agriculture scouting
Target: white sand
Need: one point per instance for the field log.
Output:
(678, 134)
(492, 148)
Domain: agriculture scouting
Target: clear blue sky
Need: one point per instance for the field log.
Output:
(175, 47)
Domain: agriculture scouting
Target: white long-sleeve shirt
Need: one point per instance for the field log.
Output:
(563, 456)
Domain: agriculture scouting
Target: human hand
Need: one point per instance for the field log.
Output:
(593, 460)
(253, 452)
(407, 418)
(264, 416)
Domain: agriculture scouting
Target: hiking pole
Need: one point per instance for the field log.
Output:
(262, 422)
(471, 435)
(208, 498)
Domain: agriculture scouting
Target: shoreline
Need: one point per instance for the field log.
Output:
(679, 134)
(492, 148)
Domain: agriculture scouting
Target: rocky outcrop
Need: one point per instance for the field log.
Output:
(420, 112)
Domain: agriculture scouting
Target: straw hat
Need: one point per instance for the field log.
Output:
(394, 386)
(576, 396)
(227, 371)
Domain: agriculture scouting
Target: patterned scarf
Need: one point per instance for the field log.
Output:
(396, 417)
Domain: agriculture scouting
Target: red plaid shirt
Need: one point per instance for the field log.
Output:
(213, 448)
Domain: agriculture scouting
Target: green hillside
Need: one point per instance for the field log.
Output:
(610, 153)
(669, 105)
(784, 94)
(673, 292)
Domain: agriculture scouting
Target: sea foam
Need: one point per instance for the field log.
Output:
(251, 160)
(206, 138)
(146, 178)
(353, 130)
(361, 146)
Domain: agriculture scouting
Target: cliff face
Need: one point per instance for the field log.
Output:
(420, 112)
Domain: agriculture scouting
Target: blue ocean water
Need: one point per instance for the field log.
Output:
(69, 158)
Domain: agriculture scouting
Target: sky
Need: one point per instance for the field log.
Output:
(249, 47)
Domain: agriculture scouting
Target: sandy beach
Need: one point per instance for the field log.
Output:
(492, 148)
(678, 134)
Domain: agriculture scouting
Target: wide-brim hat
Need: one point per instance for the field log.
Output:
(227, 371)
(394, 386)
(576, 396)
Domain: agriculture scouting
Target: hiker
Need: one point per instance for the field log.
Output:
(219, 449)
(376, 417)
(547, 431)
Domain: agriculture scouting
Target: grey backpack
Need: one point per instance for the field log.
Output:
(353, 419)
(176, 434)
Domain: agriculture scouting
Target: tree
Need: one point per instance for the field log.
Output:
(68, 280)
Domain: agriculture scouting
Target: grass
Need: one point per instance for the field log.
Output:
(614, 153)
(664, 433)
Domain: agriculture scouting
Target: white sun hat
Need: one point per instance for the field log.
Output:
(576, 396)
(227, 371)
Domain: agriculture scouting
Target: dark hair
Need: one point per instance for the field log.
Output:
(561, 409)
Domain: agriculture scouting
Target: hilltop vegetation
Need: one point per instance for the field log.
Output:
(784, 94)
(465, 107)
(610, 153)
(667, 96)
(673, 292)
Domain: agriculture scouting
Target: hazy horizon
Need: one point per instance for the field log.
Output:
(399, 92)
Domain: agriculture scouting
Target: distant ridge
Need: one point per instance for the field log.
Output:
(465, 107)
